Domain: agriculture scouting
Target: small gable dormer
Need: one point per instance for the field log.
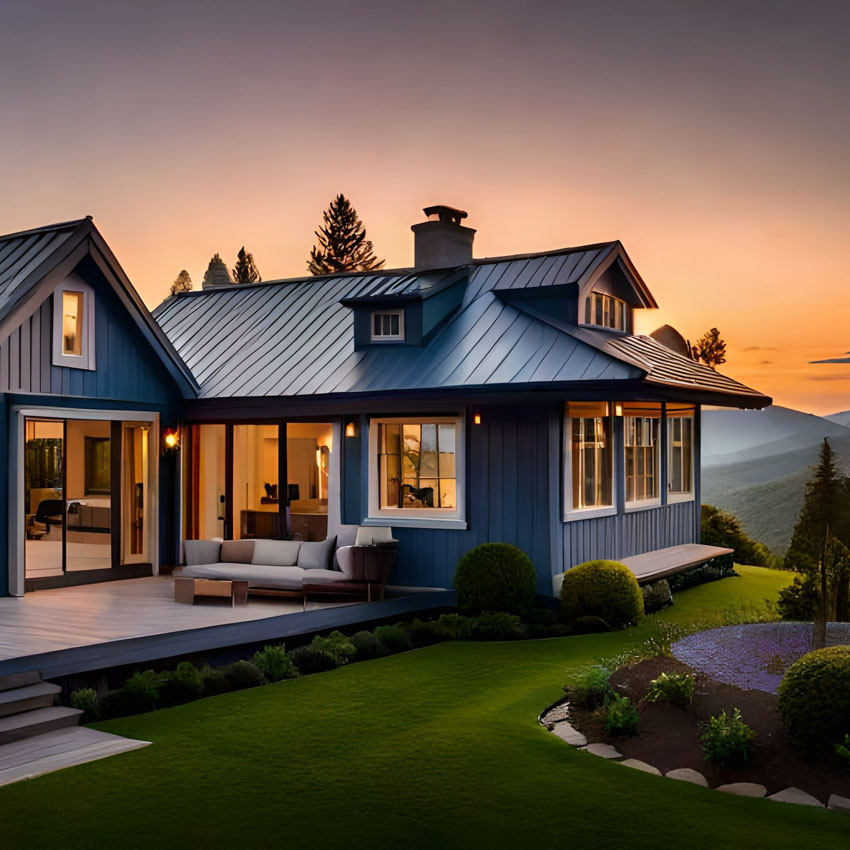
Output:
(405, 311)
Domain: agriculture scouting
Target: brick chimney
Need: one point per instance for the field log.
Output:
(442, 242)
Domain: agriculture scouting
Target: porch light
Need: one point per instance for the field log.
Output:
(350, 429)
(477, 418)
(171, 441)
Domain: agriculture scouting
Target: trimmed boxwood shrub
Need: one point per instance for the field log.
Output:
(394, 638)
(459, 626)
(814, 699)
(498, 625)
(239, 675)
(213, 681)
(274, 663)
(495, 577)
(367, 646)
(427, 632)
(181, 685)
(141, 691)
(324, 653)
(604, 589)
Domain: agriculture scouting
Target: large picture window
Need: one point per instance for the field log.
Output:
(641, 438)
(590, 478)
(416, 467)
(680, 452)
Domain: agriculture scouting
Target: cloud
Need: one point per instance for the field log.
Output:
(844, 377)
(766, 362)
(762, 348)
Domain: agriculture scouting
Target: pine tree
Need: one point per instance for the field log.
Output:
(216, 273)
(246, 270)
(710, 348)
(343, 246)
(182, 283)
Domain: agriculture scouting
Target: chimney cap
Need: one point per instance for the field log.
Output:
(444, 213)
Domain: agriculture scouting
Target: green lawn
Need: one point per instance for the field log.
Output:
(435, 748)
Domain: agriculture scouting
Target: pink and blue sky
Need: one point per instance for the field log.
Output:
(711, 138)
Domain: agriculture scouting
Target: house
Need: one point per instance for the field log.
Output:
(459, 401)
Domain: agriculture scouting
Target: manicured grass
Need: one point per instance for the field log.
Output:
(434, 748)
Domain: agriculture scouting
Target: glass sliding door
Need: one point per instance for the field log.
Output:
(309, 446)
(206, 503)
(44, 488)
(256, 498)
(135, 502)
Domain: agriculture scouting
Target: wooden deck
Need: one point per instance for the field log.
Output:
(662, 563)
(93, 627)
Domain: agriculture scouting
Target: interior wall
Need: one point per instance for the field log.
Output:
(75, 453)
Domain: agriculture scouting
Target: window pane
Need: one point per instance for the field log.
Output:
(590, 449)
(598, 301)
(587, 308)
(72, 323)
(448, 493)
(394, 326)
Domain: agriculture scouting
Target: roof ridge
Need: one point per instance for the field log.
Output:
(63, 225)
(595, 246)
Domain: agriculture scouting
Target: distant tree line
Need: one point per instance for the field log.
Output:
(721, 528)
(341, 246)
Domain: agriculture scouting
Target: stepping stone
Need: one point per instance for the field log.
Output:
(795, 795)
(567, 732)
(605, 751)
(744, 789)
(841, 804)
(685, 774)
(637, 764)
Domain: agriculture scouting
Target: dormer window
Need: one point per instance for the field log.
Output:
(388, 326)
(606, 311)
(73, 325)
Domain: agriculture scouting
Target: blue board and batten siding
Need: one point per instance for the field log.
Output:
(514, 484)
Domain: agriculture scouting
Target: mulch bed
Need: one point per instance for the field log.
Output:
(668, 737)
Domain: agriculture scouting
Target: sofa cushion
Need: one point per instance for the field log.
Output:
(323, 576)
(237, 551)
(201, 551)
(276, 553)
(257, 575)
(345, 536)
(316, 556)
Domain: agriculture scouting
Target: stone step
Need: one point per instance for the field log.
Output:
(19, 726)
(19, 680)
(28, 697)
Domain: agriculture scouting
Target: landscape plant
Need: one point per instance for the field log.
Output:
(674, 688)
(367, 646)
(85, 700)
(621, 716)
(604, 589)
(726, 740)
(239, 675)
(842, 750)
(394, 638)
(591, 688)
(141, 690)
(184, 684)
(498, 625)
(495, 577)
(274, 663)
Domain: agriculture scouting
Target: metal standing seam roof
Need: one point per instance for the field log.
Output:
(294, 337)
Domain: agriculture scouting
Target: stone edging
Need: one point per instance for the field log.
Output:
(563, 729)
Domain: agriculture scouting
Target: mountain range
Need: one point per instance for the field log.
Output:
(755, 464)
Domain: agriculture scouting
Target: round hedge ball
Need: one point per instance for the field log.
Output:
(814, 699)
(604, 589)
(495, 577)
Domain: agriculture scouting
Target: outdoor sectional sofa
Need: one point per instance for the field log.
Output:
(355, 560)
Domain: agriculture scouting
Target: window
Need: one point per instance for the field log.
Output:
(606, 311)
(680, 452)
(590, 479)
(641, 440)
(416, 468)
(98, 479)
(73, 324)
(388, 326)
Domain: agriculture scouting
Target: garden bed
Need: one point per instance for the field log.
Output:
(668, 737)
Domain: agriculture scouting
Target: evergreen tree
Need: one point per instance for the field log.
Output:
(342, 244)
(710, 348)
(182, 283)
(216, 273)
(246, 269)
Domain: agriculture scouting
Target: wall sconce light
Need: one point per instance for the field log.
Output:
(351, 429)
(171, 441)
(477, 419)
(618, 409)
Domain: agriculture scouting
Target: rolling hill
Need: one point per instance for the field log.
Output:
(756, 464)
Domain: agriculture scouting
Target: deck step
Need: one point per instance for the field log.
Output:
(16, 727)
(18, 700)
(19, 680)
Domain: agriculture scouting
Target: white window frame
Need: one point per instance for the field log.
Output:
(622, 307)
(447, 518)
(85, 359)
(399, 337)
(643, 504)
(571, 514)
(690, 495)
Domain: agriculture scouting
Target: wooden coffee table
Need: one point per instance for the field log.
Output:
(194, 591)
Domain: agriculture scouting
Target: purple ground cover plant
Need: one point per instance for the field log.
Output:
(755, 655)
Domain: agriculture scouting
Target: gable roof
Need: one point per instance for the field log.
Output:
(32, 262)
(295, 337)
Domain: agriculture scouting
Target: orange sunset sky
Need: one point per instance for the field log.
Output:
(710, 138)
